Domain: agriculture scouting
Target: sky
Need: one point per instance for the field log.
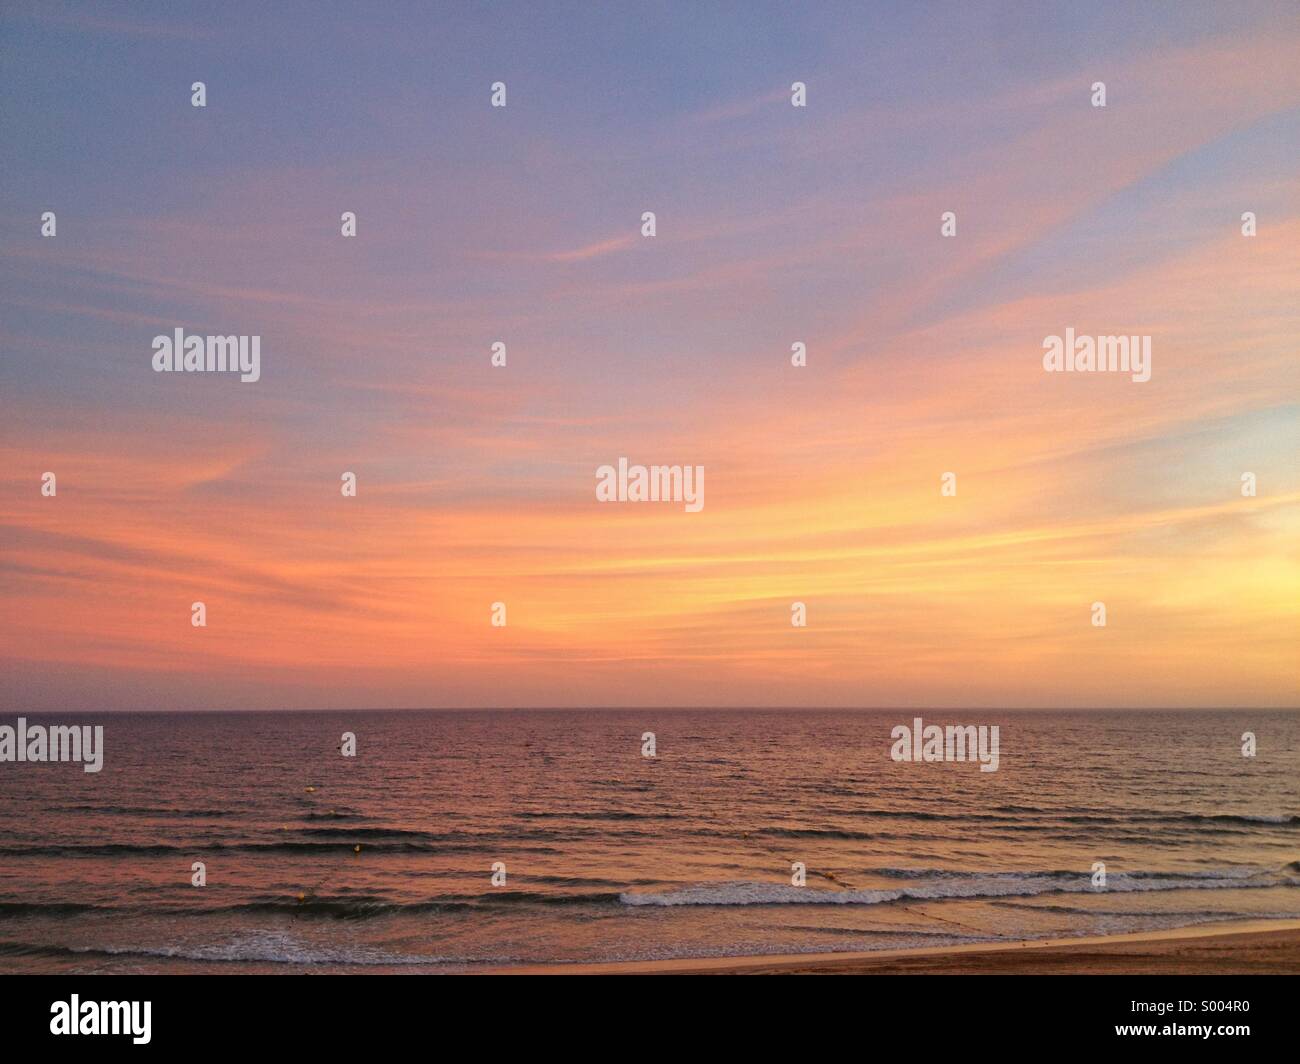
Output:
(775, 224)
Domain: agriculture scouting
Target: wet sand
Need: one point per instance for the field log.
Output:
(1260, 947)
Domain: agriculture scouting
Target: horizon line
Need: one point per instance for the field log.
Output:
(682, 709)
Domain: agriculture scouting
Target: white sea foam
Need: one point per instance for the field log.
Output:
(272, 947)
(961, 885)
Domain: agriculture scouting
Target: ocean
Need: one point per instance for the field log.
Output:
(603, 854)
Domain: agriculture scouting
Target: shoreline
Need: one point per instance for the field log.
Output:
(1242, 947)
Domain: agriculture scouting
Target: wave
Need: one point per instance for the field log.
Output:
(307, 835)
(265, 947)
(1261, 818)
(360, 908)
(9, 909)
(1047, 817)
(610, 815)
(376, 833)
(1232, 818)
(915, 885)
(150, 811)
(968, 885)
(1110, 814)
(1238, 872)
(120, 849)
(1203, 914)
(343, 843)
(1014, 814)
(342, 907)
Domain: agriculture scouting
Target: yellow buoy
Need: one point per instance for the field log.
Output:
(356, 849)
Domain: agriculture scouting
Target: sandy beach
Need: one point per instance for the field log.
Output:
(1256, 947)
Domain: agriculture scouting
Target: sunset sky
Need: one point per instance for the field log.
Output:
(775, 224)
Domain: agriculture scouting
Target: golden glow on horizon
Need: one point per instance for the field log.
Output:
(911, 597)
